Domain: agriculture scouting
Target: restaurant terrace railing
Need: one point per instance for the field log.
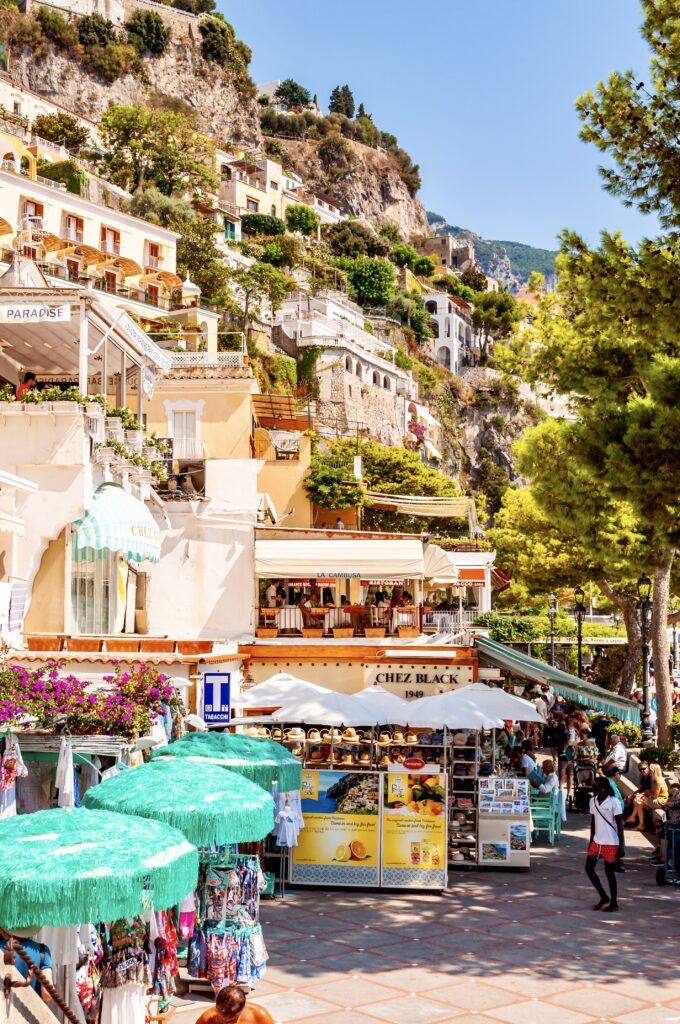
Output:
(343, 622)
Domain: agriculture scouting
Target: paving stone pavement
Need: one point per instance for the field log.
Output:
(498, 946)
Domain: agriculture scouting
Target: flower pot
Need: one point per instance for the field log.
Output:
(113, 428)
(312, 633)
(83, 644)
(93, 408)
(150, 452)
(343, 632)
(157, 646)
(44, 643)
(63, 407)
(104, 456)
(266, 631)
(122, 646)
(375, 631)
(134, 440)
(194, 646)
(408, 631)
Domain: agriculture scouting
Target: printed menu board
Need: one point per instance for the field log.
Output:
(340, 843)
(414, 831)
(504, 796)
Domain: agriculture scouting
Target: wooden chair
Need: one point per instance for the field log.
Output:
(543, 812)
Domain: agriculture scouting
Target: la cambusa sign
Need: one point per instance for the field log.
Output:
(34, 313)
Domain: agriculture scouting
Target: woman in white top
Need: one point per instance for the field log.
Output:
(606, 841)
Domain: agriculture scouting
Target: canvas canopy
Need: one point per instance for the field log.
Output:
(116, 521)
(343, 559)
(439, 566)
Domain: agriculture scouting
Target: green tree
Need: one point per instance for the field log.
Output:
(199, 259)
(454, 286)
(57, 28)
(148, 33)
(63, 129)
(219, 41)
(342, 101)
(292, 94)
(474, 278)
(150, 147)
(262, 224)
(634, 120)
(349, 238)
(332, 486)
(259, 285)
(496, 315)
(336, 156)
(67, 171)
(371, 281)
(303, 219)
(94, 30)
(111, 62)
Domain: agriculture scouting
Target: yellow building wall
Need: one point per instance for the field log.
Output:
(46, 610)
(283, 482)
(224, 426)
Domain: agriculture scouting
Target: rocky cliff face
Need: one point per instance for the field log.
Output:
(181, 73)
(372, 189)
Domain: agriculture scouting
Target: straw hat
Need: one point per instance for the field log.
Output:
(314, 736)
(261, 731)
(398, 759)
(330, 736)
(384, 740)
(351, 736)
(297, 734)
(398, 737)
(347, 758)
(297, 750)
(411, 737)
(316, 755)
(365, 758)
(277, 733)
(384, 760)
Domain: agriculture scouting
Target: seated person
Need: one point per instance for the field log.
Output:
(528, 766)
(655, 797)
(40, 955)
(616, 758)
(672, 812)
(645, 784)
(550, 781)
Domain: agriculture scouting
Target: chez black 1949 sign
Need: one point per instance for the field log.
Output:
(411, 681)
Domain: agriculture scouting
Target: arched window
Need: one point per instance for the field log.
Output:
(386, 384)
(348, 364)
(376, 378)
(434, 327)
(358, 370)
(273, 210)
(431, 307)
(444, 357)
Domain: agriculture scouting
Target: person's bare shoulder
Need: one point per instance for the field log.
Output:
(210, 1016)
(254, 1014)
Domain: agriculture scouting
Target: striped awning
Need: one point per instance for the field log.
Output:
(117, 522)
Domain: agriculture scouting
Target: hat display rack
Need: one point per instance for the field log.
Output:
(365, 748)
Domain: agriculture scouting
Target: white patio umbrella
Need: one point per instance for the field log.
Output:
(275, 691)
(390, 709)
(452, 711)
(330, 708)
(494, 701)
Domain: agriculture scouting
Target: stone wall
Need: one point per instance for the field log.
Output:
(346, 402)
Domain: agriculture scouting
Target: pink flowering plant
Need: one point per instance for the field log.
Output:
(419, 430)
(123, 704)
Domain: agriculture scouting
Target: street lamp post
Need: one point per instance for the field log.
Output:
(579, 614)
(552, 612)
(644, 607)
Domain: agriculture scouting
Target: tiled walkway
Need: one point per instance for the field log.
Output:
(514, 948)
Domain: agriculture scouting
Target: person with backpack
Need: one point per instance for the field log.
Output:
(606, 842)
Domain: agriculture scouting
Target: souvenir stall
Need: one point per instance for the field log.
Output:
(216, 809)
(65, 871)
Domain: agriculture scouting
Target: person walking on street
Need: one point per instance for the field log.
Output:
(606, 842)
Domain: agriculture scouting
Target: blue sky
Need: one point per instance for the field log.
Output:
(480, 92)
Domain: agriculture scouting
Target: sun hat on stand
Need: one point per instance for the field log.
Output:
(296, 734)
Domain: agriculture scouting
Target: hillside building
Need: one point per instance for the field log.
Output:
(449, 253)
(451, 327)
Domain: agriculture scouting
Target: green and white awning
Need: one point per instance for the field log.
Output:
(521, 666)
(117, 522)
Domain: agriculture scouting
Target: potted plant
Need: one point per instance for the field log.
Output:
(104, 454)
(96, 405)
(312, 632)
(343, 632)
(58, 398)
(113, 426)
(375, 632)
(7, 395)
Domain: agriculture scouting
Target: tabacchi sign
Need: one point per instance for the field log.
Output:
(34, 313)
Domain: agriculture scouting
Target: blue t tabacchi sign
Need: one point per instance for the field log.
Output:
(217, 698)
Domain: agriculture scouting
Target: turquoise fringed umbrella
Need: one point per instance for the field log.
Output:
(206, 803)
(260, 760)
(72, 865)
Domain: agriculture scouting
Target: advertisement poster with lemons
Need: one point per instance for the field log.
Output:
(340, 842)
(414, 830)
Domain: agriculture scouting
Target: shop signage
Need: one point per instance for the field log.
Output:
(217, 698)
(410, 681)
(340, 843)
(412, 764)
(34, 313)
(414, 853)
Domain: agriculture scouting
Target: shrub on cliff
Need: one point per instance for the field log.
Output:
(261, 224)
(336, 156)
(93, 30)
(148, 33)
(370, 281)
(57, 29)
(303, 219)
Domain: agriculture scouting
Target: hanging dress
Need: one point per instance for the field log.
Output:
(125, 975)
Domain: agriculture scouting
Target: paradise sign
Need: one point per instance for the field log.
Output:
(414, 831)
(340, 843)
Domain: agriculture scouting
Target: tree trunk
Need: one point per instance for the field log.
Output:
(626, 604)
(660, 650)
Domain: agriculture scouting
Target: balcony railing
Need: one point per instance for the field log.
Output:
(73, 235)
(153, 262)
(189, 360)
(344, 622)
(277, 450)
(110, 246)
(449, 622)
(188, 448)
(60, 186)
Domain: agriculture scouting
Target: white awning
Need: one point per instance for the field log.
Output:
(349, 559)
(440, 566)
(433, 451)
(11, 524)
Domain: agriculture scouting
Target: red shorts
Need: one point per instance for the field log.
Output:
(608, 853)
